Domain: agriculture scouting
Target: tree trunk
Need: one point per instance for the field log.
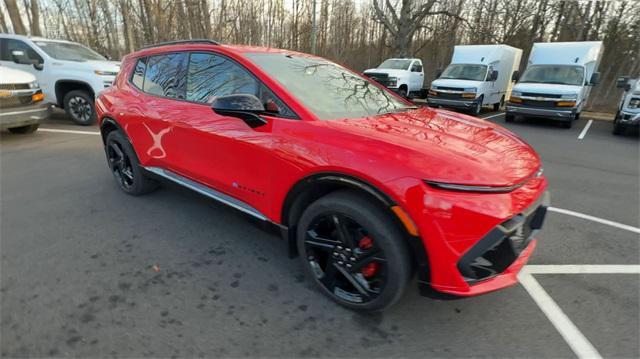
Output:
(14, 16)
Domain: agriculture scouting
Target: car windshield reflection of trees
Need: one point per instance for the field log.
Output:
(354, 90)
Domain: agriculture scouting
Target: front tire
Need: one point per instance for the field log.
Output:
(23, 130)
(79, 105)
(403, 92)
(125, 167)
(509, 117)
(478, 107)
(353, 251)
(499, 105)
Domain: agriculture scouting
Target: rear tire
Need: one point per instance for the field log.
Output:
(499, 105)
(403, 92)
(330, 236)
(125, 167)
(80, 107)
(567, 124)
(509, 118)
(23, 130)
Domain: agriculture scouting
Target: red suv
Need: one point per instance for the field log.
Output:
(365, 187)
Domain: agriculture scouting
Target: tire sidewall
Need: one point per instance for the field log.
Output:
(382, 230)
(86, 97)
(139, 176)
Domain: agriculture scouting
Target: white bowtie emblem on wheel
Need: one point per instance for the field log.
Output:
(157, 142)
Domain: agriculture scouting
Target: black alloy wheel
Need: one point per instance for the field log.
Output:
(120, 165)
(352, 250)
(344, 258)
(79, 106)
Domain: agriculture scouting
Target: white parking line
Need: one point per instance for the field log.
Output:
(596, 219)
(69, 131)
(585, 129)
(582, 269)
(571, 334)
(492, 116)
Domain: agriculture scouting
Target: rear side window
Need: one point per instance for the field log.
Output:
(166, 75)
(211, 76)
(137, 78)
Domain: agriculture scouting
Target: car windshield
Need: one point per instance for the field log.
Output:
(328, 90)
(395, 64)
(554, 74)
(465, 72)
(68, 51)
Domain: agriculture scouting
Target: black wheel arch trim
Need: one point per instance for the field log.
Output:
(60, 96)
(305, 185)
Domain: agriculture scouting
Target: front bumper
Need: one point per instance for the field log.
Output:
(474, 242)
(567, 114)
(24, 115)
(455, 103)
(629, 119)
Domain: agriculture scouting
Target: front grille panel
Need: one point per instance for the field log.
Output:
(531, 94)
(15, 101)
(14, 86)
(494, 253)
(450, 88)
(545, 104)
(448, 95)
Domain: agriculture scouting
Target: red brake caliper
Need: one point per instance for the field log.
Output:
(370, 269)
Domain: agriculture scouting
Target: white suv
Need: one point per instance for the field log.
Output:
(70, 75)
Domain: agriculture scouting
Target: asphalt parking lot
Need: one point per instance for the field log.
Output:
(88, 271)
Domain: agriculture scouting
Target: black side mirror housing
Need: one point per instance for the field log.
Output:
(243, 106)
(623, 83)
(595, 79)
(494, 75)
(515, 76)
(19, 57)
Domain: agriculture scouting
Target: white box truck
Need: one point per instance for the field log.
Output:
(403, 76)
(557, 81)
(478, 75)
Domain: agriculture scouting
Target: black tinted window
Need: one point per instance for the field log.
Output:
(166, 75)
(137, 78)
(11, 45)
(211, 76)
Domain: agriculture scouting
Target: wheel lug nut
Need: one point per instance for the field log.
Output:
(340, 248)
(353, 259)
(349, 250)
(335, 254)
(348, 265)
(340, 262)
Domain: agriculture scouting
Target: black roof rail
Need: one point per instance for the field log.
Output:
(177, 42)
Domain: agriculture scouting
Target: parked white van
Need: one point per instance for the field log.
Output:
(21, 102)
(557, 81)
(478, 75)
(71, 75)
(404, 76)
(628, 114)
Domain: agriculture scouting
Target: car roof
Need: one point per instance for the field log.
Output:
(32, 38)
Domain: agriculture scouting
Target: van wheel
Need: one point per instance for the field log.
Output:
(352, 250)
(23, 130)
(618, 129)
(499, 105)
(403, 92)
(509, 117)
(478, 106)
(79, 105)
(567, 124)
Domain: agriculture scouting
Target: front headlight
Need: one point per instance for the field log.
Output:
(392, 81)
(471, 89)
(483, 189)
(34, 85)
(570, 97)
(105, 73)
(634, 103)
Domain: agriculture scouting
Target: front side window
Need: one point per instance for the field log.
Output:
(465, 72)
(166, 75)
(554, 74)
(212, 75)
(328, 90)
(69, 51)
(17, 45)
(395, 64)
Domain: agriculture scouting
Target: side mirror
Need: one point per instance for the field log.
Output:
(595, 79)
(108, 57)
(243, 106)
(623, 83)
(515, 76)
(19, 57)
(438, 73)
(494, 75)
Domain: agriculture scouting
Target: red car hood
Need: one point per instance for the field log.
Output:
(448, 147)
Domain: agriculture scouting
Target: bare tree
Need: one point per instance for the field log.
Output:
(14, 16)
